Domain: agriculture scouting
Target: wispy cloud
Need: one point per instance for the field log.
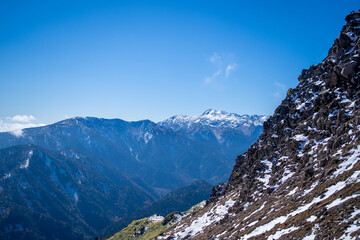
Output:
(279, 90)
(17, 123)
(230, 68)
(223, 65)
(215, 58)
(209, 79)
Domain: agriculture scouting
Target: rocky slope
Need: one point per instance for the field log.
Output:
(301, 179)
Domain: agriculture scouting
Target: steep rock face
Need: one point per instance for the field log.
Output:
(301, 179)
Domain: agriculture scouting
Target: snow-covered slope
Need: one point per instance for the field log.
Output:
(301, 179)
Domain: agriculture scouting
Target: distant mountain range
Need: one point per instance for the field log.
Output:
(166, 155)
(93, 171)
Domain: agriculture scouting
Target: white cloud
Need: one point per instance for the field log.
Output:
(223, 64)
(280, 90)
(230, 68)
(211, 78)
(17, 123)
(215, 58)
(21, 118)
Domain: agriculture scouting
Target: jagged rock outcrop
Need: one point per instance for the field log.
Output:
(301, 179)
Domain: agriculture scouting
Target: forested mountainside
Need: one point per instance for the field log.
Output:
(301, 179)
(45, 195)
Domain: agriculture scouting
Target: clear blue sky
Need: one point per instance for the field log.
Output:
(154, 59)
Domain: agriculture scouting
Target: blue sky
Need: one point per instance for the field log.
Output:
(153, 59)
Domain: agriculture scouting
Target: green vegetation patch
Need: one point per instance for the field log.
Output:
(147, 228)
(141, 229)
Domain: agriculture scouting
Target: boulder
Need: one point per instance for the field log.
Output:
(349, 69)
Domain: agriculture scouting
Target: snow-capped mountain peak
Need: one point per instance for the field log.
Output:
(215, 118)
(212, 117)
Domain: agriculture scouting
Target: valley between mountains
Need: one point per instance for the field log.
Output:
(84, 177)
